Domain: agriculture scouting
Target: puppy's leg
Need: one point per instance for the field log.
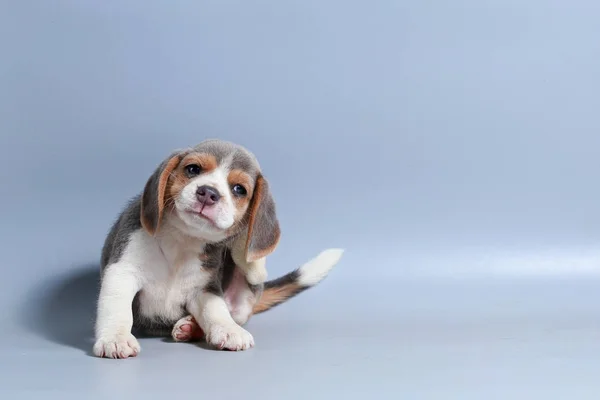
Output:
(114, 316)
(240, 298)
(212, 314)
(187, 330)
(255, 271)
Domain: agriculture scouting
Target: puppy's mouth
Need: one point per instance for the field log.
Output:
(200, 213)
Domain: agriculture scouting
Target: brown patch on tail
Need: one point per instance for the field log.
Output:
(278, 291)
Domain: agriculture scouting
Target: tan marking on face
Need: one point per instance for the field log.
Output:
(179, 178)
(239, 177)
(177, 182)
(206, 161)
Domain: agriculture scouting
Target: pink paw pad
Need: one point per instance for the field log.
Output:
(186, 330)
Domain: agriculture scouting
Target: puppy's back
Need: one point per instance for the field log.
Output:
(120, 232)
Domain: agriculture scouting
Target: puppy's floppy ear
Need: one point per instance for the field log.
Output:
(153, 198)
(263, 226)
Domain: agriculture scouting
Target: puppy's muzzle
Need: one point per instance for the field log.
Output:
(207, 195)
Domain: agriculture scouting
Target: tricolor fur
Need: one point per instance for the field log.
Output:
(168, 261)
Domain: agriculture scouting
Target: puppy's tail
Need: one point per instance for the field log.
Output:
(281, 289)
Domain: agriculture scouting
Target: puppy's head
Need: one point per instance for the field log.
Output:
(213, 192)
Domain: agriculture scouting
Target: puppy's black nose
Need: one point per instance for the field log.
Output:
(208, 195)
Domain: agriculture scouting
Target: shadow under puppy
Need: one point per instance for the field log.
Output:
(167, 266)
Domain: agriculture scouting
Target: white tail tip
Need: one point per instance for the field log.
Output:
(317, 269)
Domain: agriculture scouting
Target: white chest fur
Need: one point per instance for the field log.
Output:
(171, 274)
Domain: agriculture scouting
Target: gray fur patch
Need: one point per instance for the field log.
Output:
(240, 157)
(242, 161)
(118, 237)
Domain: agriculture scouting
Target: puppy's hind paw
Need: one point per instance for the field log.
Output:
(257, 275)
(186, 330)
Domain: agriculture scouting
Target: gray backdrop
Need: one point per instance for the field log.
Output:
(450, 147)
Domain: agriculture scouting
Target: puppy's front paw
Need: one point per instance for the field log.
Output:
(256, 275)
(117, 346)
(230, 337)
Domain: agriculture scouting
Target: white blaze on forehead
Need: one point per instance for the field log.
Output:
(216, 178)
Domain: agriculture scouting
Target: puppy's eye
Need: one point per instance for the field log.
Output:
(239, 190)
(193, 170)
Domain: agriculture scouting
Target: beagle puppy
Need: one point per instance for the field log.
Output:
(186, 256)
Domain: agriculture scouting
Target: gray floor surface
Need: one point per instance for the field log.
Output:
(412, 338)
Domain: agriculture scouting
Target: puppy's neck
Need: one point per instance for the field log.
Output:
(173, 234)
